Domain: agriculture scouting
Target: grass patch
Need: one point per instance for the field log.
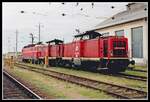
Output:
(58, 89)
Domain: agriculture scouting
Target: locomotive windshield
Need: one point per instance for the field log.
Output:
(119, 48)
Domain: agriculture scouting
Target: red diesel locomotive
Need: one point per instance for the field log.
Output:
(90, 51)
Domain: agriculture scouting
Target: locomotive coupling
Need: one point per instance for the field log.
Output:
(132, 62)
(131, 65)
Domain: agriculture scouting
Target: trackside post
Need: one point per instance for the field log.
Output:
(46, 61)
(11, 62)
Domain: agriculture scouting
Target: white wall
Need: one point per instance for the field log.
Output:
(127, 32)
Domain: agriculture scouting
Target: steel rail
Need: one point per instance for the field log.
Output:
(21, 86)
(138, 70)
(127, 76)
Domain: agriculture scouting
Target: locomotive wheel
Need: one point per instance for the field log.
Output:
(76, 67)
(116, 68)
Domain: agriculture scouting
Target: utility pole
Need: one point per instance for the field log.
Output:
(14, 51)
(32, 37)
(39, 31)
(16, 41)
(8, 44)
(39, 26)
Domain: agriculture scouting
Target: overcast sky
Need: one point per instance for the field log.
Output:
(50, 16)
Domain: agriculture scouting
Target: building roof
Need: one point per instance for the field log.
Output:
(134, 11)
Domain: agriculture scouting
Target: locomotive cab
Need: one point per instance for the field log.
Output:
(55, 52)
(87, 35)
(57, 45)
(55, 42)
(115, 53)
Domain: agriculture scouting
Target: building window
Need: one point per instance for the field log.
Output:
(137, 42)
(105, 34)
(119, 33)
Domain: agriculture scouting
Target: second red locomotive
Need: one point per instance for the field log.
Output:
(89, 51)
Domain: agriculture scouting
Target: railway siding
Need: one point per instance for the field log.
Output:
(100, 77)
(129, 92)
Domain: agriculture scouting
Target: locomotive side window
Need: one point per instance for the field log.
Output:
(43, 48)
(119, 33)
(78, 38)
(86, 37)
(52, 43)
(105, 48)
(105, 34)
(37, 48)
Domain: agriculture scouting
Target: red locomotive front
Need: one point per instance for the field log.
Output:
(115, 53)
(29, 53)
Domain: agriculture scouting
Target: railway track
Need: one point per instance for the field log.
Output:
(13, 89)
(127, 76)
(112, 89)
(123, 75)
(137, 70)
(135, 77)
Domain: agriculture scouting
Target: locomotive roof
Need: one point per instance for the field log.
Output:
(88, 33)
(39, 43)
(55, 40)
(30, 45)
(113, 37)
